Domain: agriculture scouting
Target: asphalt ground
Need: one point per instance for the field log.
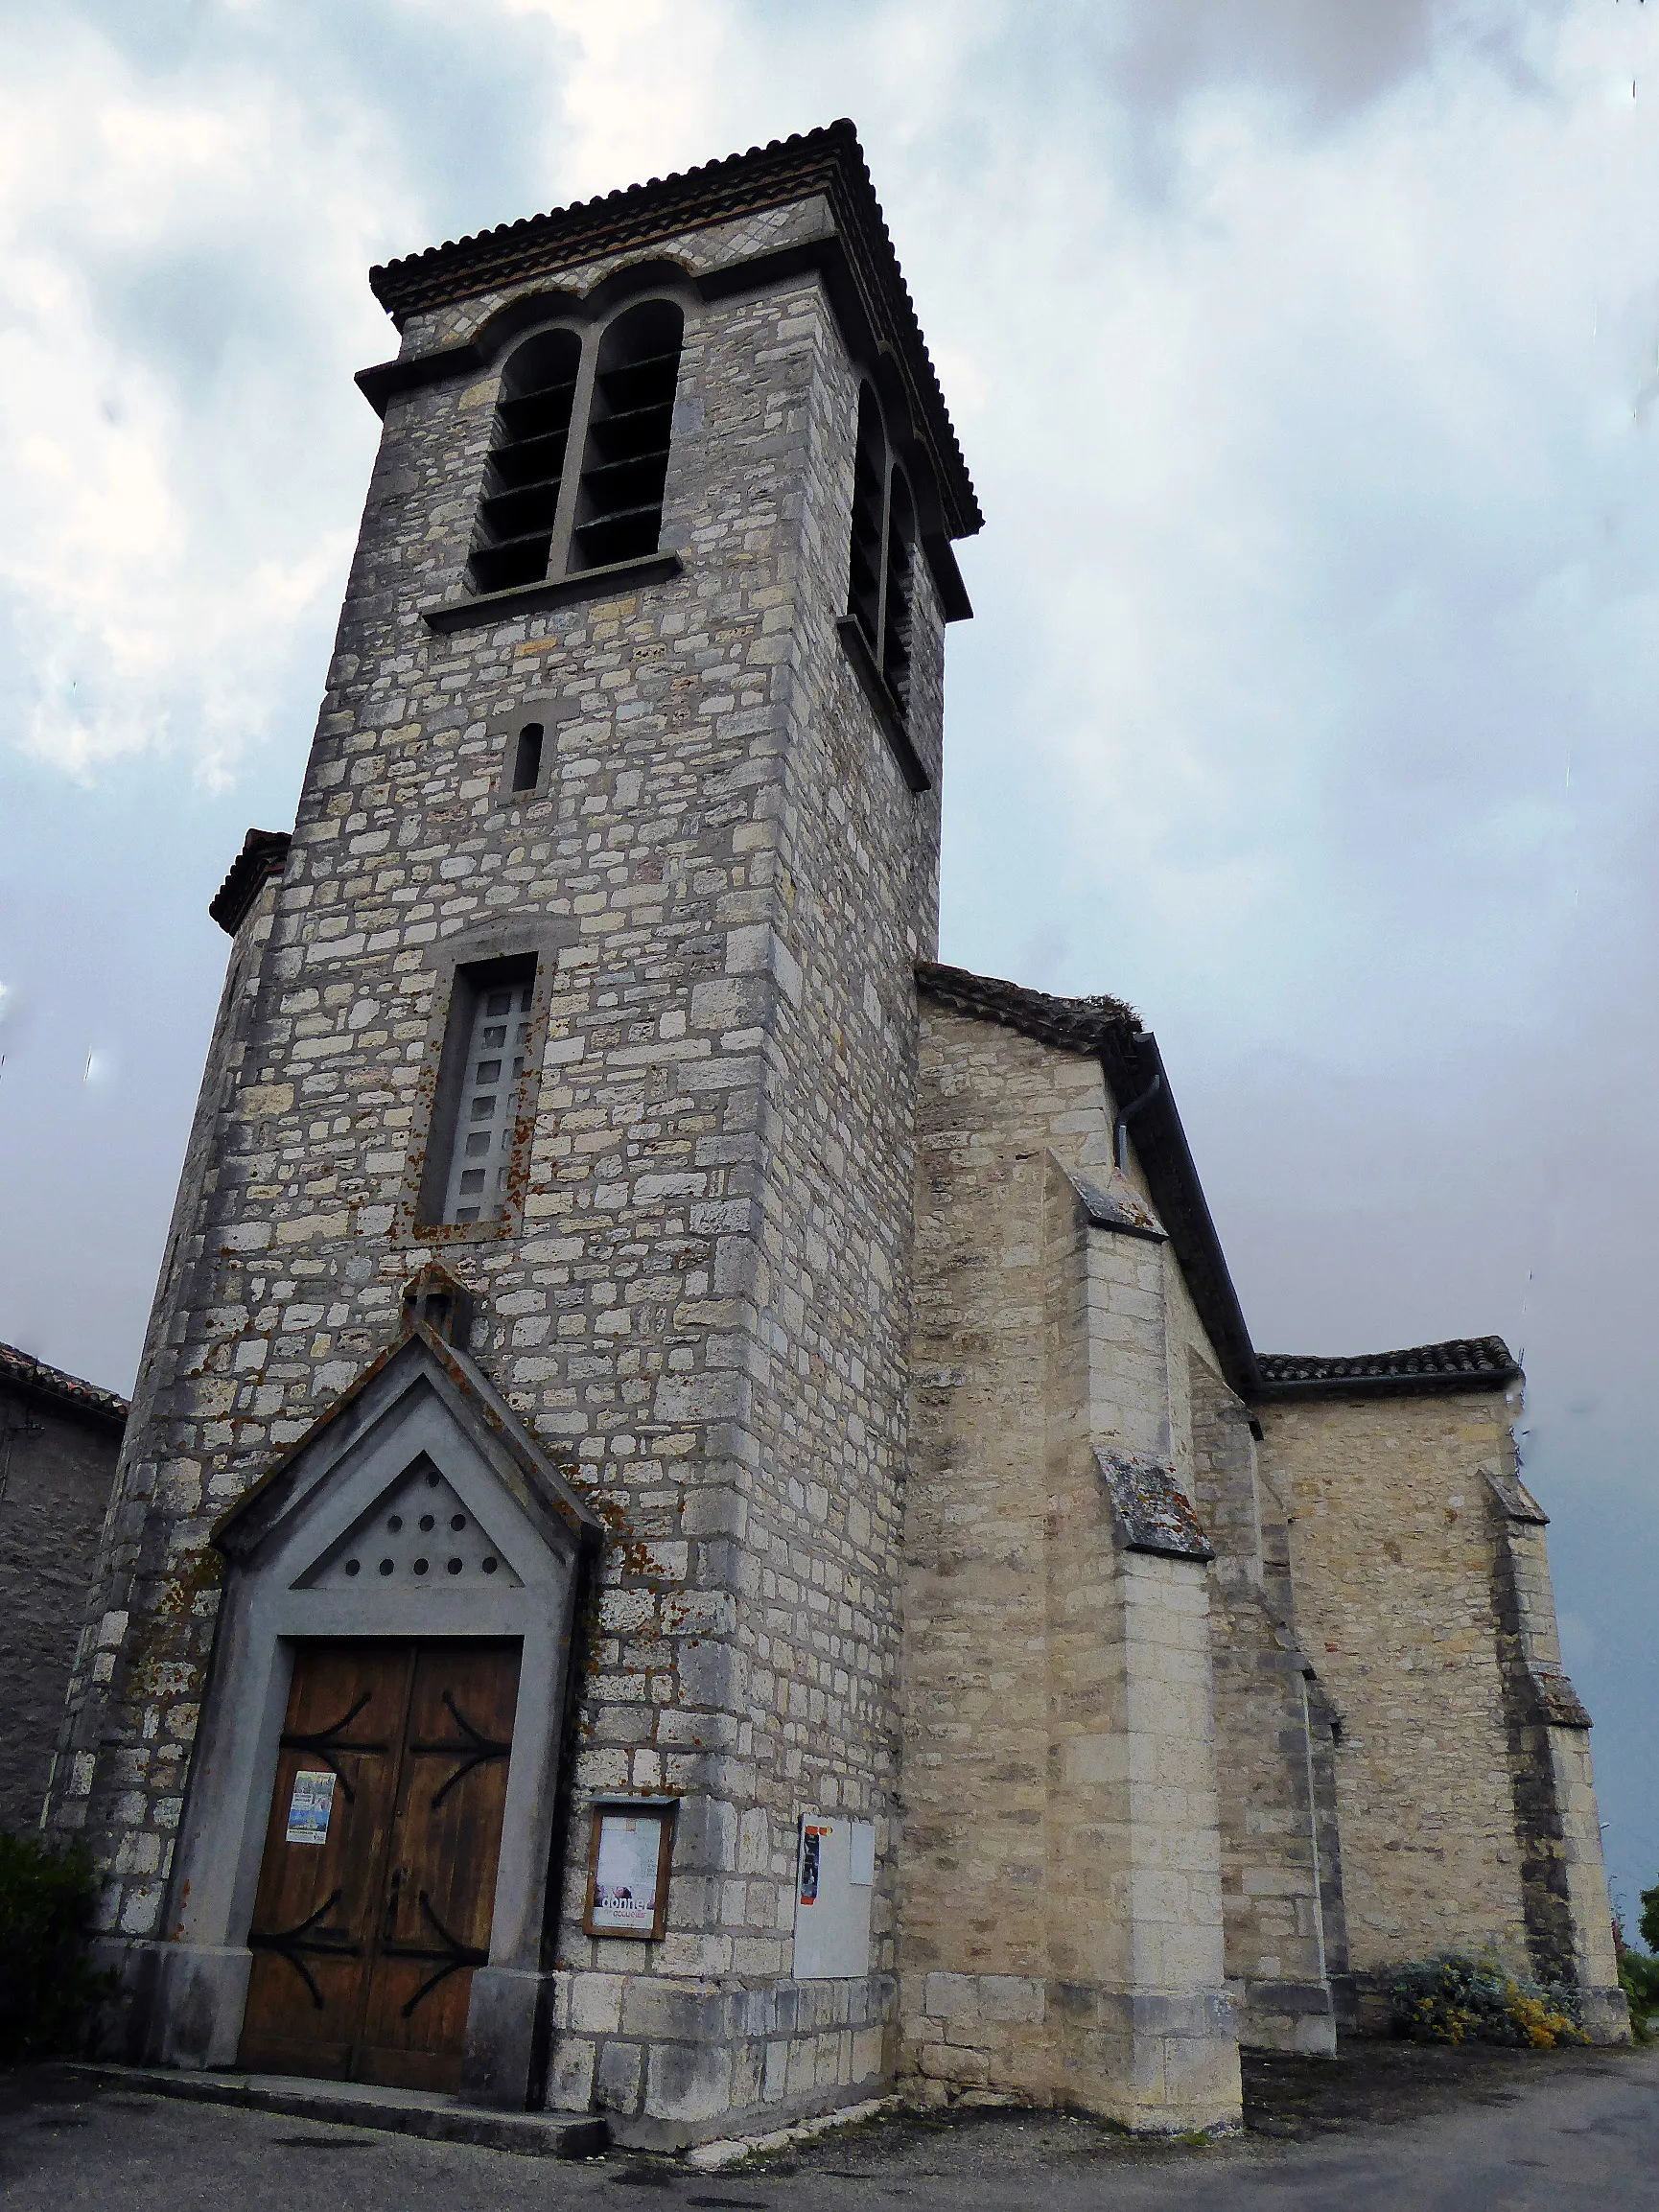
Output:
(1396, 2128)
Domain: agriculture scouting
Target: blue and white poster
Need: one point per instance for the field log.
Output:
(309, 1808)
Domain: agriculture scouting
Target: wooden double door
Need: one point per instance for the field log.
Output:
(379, 1874)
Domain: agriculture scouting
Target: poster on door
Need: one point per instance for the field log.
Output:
(308, 1806)
(629, 1874)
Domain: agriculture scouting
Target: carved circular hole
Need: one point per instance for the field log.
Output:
(455, 1565)
(457, 1520)
(427, 1522)
(385, 1565)
(432, 1482)
(420, 1566)
(352, 1566)
(394, 1521)
(490, 1566)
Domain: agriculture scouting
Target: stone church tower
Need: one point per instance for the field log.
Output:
(583, 985)
(642, 1349)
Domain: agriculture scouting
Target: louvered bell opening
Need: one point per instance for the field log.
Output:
(901, 590)
(526, 464)
(491, 1081)
(619, 507)
(864, 559)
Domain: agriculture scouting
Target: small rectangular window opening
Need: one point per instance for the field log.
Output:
(527, 758)
(481, 1088)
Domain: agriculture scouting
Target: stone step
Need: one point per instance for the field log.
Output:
(440, 2119)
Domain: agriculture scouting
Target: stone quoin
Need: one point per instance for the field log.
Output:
(640, 1342)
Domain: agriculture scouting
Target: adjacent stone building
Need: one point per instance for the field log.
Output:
(701, 1530)
(60, 1438)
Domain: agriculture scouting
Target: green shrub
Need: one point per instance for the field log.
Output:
(1639, 1979)
(47, 1982)
(1649, 1923)
(1456, 1997)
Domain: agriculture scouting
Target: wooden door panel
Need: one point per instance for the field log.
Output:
(313, 1916)
(439, 1892)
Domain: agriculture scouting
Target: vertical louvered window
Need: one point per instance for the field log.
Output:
(490, 1014)
(625, 461)
(881, 556)
(895, 598)
(526, 464)
(869, 508)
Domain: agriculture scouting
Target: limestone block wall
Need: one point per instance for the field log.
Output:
(1392, 1551)
(702, 1305)
(1060, 1906)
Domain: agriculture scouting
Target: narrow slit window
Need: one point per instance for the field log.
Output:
(526, 464)
(625, 460)
(481, 1091)
(527, 758)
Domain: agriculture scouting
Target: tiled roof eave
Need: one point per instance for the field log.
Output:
(1080, 1025)
(1459, 1364)
(264, 853)
(828, 161)
(21, 1371)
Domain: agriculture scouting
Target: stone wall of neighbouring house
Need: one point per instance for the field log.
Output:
(704, 1308)
(1466, 1813)
(1060, 1908)
(57, 1465)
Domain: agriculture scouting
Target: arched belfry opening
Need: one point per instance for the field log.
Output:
(630, 418)
(525, 470)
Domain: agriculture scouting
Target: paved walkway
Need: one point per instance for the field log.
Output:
(1579, 2132)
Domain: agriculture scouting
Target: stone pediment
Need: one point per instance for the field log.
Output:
(453, 1417)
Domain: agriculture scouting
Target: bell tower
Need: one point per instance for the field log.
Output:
(555, 1154)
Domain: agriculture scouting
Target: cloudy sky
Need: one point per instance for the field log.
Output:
(1306, 354)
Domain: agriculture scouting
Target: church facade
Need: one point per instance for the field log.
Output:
(701, 1532)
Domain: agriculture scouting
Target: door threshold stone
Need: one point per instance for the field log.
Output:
(425, 2112)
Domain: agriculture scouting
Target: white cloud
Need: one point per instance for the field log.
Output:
(175, 524)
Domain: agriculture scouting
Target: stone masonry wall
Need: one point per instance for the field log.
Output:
(1049, 1678)
(703, 1306)
(55, 1470)
(1392, 1550)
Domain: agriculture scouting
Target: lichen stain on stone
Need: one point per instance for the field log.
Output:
(170, 1626)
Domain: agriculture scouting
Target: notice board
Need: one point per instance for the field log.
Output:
(834, 1881)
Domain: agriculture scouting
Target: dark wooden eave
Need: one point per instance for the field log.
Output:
(1130, 1060)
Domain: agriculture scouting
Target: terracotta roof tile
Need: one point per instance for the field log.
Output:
(829, 161)
(264, 853)
(1072, 1024)
(1468, 1362)
(23, 1372)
